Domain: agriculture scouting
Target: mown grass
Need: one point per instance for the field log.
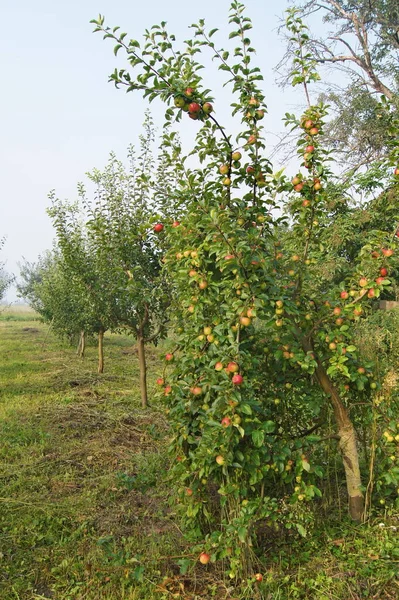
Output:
(84, 512)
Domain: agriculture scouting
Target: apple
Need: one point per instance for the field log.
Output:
(344, 294)
(308, 124)
(224, 169)
(259, 114)
(210, 338)
(175, 224)
(226, 181)
(189, 491)
(363, 282)
(309, 149)
(236, 156)
(207, 108)
(207, 330)
(387, 252)
(380, 280)
(232, 367)
(167, 390)
(219, 366)
(245, 321)
(371, 293)
(158, 227)
(160, 381)
(295, 180)
(357, 311)
(219, 459)
(250, 170)
(191, 308)
(279, 323)
(252, 140)
(169, 356)
(192, 273)
(204, 558)
(237, 379)
(317, 186)
(203, 284)
(226, 422)
(194, 107)
(279, 303)
(339, 321)
(361, 370)
(332, 345)
(253, 101)
(196, 390)
(189, 91)
(396, 172)
(295, 257)
(179, 101)
(298, 187)
(383, 271)
(337, 310)
(258, 577)
(193, 115)
(313, 131)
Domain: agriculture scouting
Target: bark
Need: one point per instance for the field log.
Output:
(82, 345)
(143, 371)
(347, 442)
(101, 351)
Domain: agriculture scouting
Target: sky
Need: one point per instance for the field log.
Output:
(61, 117)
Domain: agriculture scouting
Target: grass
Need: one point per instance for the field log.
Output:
(84, 488)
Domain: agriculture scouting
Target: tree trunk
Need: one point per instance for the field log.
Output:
(82, 345)
(347, 442)
(101, 351)
(143, 371)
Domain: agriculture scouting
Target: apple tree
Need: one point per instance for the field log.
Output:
(263, 333)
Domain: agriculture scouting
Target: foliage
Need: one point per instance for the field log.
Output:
(5, 278)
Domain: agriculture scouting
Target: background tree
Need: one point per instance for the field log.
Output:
(5, 278)
(361, 52)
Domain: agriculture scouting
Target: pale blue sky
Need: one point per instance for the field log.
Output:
(61, 117)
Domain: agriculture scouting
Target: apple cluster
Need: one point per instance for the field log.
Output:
(187, 102)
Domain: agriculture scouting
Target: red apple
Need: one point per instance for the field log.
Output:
(380, 280)
(158, 227)
(309, 149)
(344, 294)
(224, 169)
(253, 101)
(371, 293)
(175, 224)
(337, 310)
(363, 282)
(251, 140)
(226, 422)
(396, 172)
(295, 180)
(383, 271)
(232, 367)
(204, 558)
(219, 459)
(194, 107)
(237, 379)
(387, 251)
(203, 284)
(258, 577)
(219, 366)
(167, 390)
(207, 108)
(339, 321)
(361, 370)
(189, 91)
(189, 491)
(229, 257)
(308, 124)
(313, 131)
(245, 321)
(196, 390)
(298, 187)
(160, 381)
(169, 356)
(250, 170)
(306, 203)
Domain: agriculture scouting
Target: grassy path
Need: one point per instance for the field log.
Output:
(84, 487)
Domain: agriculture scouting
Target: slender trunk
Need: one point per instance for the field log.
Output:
(82, 345)
(101, 351)
(347, 442)
(143, 371)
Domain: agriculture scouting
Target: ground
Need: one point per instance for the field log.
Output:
(84, 490)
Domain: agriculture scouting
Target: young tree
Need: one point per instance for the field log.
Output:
(5, 278)
(263, 340)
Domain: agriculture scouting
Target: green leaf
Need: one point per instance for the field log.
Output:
(258, 437)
